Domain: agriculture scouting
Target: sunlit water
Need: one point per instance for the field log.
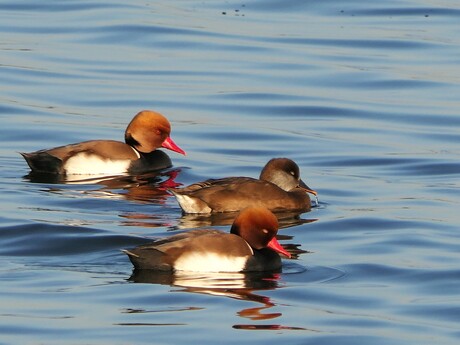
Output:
(363, 95)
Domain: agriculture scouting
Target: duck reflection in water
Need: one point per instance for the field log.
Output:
(240, 286)
(149, 188)
(189, 221)
(146, 187)
(244, 286)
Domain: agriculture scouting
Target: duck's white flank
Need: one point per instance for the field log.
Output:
(89, 164)
(192, 205)
(209, 262)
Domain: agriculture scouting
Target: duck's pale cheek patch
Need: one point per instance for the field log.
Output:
(209, 262)
(88, 164)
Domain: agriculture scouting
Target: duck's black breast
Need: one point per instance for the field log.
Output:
(263, 260)
(156, 160)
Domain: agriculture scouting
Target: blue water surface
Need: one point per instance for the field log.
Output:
(363, 95)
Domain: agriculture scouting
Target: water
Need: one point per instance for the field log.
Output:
(362, 95)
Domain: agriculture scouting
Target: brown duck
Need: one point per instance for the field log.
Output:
(279, 188)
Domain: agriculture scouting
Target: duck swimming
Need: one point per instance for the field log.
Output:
(279, 188)
(251, 245)
(146, 132)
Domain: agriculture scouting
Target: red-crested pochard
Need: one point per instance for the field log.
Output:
(146, 132)
(279, 188)
(251, 245)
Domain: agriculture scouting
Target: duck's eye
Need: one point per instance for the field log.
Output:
(265, 231)
(158, 132)
(292, 173)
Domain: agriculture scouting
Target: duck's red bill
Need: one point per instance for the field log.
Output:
(276, 246)
(171, 145)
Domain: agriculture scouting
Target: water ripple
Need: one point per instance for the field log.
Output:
(58, 240)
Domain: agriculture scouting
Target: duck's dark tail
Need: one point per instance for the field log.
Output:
(42, 162)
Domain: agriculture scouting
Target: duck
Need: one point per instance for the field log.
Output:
(250, 246)
(147, 131)
(279, 188)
